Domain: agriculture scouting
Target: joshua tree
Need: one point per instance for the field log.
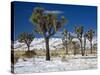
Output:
(65, 40)
(79, 32)
(46, 24)
(85, 42)
(89, 36)
(26, 38)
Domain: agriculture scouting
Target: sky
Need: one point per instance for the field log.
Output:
(75, 14)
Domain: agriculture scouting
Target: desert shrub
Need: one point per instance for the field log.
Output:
(40, 52)
(54, 54)
(29, 54)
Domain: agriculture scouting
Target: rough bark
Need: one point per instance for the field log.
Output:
(85, 45)
(47, 49)
(66, 49)
(91, 46)
(82, 52)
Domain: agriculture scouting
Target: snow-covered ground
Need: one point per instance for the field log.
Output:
(38, 64)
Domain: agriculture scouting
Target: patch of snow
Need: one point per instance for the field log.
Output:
(38, 64)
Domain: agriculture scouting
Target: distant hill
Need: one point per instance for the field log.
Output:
(39, 44)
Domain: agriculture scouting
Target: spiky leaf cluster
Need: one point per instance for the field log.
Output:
(46, 23)
(26, 38)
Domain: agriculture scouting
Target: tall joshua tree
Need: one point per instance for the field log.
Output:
(79, 32)
(85, 35)
(65, 40)
(46, 24)
(26, 38)
(90, 35)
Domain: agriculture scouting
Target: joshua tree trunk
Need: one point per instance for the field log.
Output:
(81, 48)
(47, 49)
(91, 46)
(66, 49)
(85, 45)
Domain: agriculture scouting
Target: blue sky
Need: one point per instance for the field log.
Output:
(75, 14)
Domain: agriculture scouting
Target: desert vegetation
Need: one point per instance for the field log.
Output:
(70, 47)
(47, 25)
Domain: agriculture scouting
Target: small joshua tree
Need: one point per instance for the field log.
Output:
(46, 24)
(26, 38)
(89, 36)
(65, 40)
(85, 35)
(79, 32)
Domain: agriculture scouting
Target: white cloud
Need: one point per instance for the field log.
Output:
(53, 11)
(59, 34)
